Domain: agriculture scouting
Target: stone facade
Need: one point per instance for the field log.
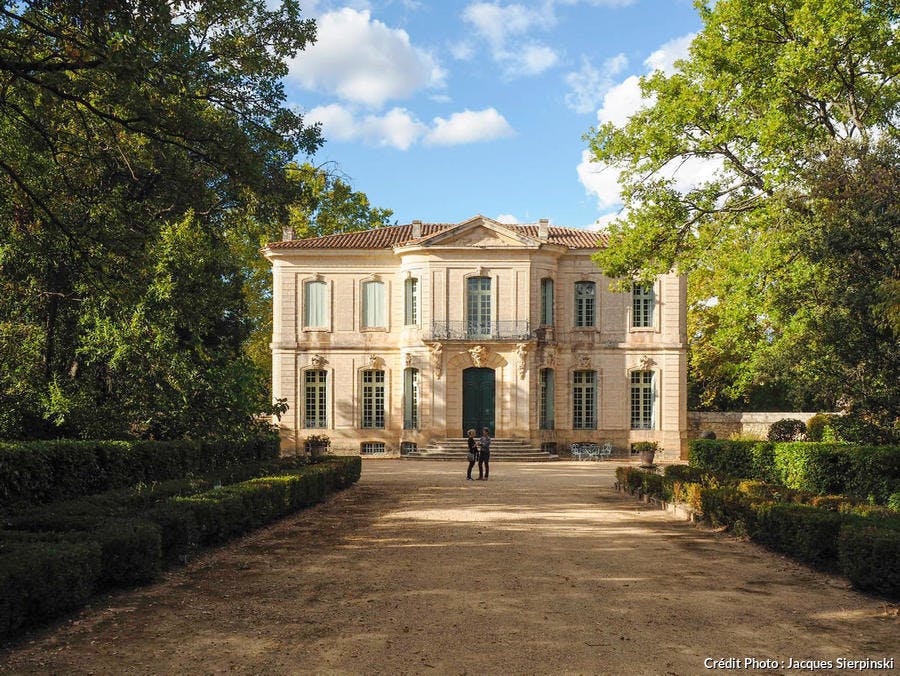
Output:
(455, 301)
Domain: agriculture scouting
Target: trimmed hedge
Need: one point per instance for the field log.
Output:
(75, 549)
(830, 532)
(44, 471)
(866, 472)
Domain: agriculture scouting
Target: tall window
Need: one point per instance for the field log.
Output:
(373, 304)
(546, 421)
(584, 400)
(642, 304)
(585, 299)
(643, 395)
(373, 400)
(314, 397)
(478, 306)
(411, 399)
(546, 302)
(411, 301)
(315, 296)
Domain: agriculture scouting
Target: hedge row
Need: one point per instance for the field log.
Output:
(56, 567)
(858, 541)
(38, 472)
(867, 472)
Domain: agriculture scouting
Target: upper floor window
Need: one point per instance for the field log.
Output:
(314, 395)
(643, 302)
(585, 303)
(546, 302)
(315, 307)
(411, 301)
(373, 305)
(584, 400)
(643, 396)
(478, 306)
(373, 399)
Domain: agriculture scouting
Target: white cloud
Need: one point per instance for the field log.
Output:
(468, 126)
(509, 219)
(462, 51)
(602, 222)
(589, 85)
(400, 129)
(364, 61)
(601, 180)
(506, 30)
(621, 102)
(665, 57)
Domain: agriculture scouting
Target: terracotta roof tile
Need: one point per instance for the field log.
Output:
(394, 235)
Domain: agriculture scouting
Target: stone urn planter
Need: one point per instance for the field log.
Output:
(316, 446)
(647, 451)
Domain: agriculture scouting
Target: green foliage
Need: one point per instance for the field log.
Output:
(729, 458)
(800, 531)
(815, 426)
(870, 558)
(794, 234)
(854, 429)
(787, 429)
(45, 471)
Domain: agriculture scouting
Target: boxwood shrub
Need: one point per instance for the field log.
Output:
(870, 557)
(44, 471)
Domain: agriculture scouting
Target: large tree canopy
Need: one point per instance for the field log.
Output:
(135, 140)
(791, 107)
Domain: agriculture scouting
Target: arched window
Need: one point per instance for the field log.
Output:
(372, 399)
(315, 398)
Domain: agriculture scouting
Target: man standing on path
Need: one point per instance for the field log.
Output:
(484, 456)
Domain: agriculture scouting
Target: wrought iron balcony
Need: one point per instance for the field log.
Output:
(464, 330)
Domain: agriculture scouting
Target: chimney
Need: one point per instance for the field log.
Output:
(544, 229)
(416, 229)
(287, 233)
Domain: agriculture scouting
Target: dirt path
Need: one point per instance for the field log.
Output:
(543, 569)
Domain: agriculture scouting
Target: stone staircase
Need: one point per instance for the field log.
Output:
(502, 450)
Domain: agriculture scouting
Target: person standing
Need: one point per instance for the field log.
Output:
(473, 453)
(484, 454)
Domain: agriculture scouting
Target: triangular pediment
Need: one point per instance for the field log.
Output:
(479, 231)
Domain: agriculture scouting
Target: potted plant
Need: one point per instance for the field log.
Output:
(317, 445)
(647, 450)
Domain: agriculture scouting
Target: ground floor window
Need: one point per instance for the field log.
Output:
(410, 399)
(643, 395)
(314, 395)
(546, 399)
(584, 400)
(372, 448)
(373, 400)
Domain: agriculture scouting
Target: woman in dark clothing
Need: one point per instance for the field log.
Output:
(484, 455)
(473, 453)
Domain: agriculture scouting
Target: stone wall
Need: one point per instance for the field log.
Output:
(745, 424)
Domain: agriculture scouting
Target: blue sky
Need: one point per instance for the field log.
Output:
(443, 110)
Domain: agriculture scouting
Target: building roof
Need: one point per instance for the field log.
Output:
(397, 235)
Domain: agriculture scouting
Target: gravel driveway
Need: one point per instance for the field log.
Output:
(544, 569)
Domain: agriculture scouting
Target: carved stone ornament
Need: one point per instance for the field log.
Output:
(522, 353)
(584, 361)
(437, 358)
(549, 356)
(373, 361)
(318, 361)
(479, 355)
(647, 362)
(407, 359)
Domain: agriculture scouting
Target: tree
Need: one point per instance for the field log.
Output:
(130, 133)
(785, 101)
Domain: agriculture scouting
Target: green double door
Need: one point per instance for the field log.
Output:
(478, 400)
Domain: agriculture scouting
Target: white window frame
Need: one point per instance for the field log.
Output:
(585, 304)
(316, 393)
(547, 399)
(411, 398)
(372, 323)
(411, 301)
(643, 307)
(372, 400)
(584, 400)
(306, 285)
(643, 398)
(547, 308)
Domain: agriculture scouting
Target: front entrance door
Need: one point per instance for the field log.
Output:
(478, 400)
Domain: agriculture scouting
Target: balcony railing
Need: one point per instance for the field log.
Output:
(464, 330)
